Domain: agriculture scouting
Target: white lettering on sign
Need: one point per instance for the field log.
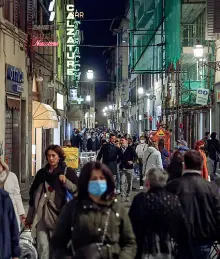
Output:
(72, 44)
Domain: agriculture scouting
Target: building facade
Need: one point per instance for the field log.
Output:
(172, 58)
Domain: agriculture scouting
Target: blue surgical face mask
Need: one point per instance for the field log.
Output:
(97, 187)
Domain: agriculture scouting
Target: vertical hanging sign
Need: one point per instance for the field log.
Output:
(72, 46)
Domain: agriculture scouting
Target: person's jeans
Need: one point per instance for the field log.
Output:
(117, 180)
(141, 174)
(198, 252)
(126, 182)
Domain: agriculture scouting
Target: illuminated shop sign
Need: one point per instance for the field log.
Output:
(72, 43)
(36, 42)
(14, 79)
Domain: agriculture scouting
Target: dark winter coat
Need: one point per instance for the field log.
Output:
(42, 176)
(93, 145)
(128, 155)
(110, 155)
(156, 213)
(200, 201)
(88, 229)
(213, 146)
(9, 233)
(76, 141)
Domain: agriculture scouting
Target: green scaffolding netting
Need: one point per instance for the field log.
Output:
(189, 91)
(173, 46)
(150, 27)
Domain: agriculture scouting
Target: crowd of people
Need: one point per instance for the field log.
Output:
(176, 213)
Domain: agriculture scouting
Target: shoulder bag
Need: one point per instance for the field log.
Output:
(94, 250)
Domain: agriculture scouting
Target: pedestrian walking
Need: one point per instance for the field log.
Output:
(182, 146)
(110, 154)
(76, 140)
(9, 182)
(48, 195)
(152, 158)
(155, 216)
(200, 147)
(140, 150)
(175, 168)
(213, 148)
(9, 233)
(93, 143)
(96, 224)
(200, 202)
(164, 153)
(127, 160)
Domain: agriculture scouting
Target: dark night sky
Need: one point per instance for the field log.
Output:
(98, 33)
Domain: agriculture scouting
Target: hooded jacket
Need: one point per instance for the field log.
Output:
(9, 234)
(151, 159)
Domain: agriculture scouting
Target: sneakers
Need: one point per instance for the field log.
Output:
(127, 199)
(118, 192)
(141, 187)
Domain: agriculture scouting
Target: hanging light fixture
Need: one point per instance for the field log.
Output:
(198, 51)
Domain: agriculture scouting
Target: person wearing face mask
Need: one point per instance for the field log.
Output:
(141, 148)
(48, 195)
(93, 143)
(96, 224)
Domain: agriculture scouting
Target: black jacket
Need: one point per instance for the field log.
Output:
(128, 155)
(200, 201)
(110, 155)
(156, 213)
(92, 145)
(76, 141)
(213, 146)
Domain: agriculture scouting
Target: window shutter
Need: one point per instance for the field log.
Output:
(216, 16)
(210, 35)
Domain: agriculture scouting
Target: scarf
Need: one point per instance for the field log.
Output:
(3, 176)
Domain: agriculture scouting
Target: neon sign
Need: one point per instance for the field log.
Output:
(36, 42)
(72, 45)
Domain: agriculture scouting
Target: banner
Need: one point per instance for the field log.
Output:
(72, 157)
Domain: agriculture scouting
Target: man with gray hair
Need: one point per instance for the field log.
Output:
(156, 213)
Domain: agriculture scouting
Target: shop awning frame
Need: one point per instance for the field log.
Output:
(44, 116)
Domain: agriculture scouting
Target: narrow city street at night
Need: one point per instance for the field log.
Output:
(110, 136)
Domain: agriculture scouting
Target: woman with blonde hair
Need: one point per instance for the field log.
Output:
(9, 182)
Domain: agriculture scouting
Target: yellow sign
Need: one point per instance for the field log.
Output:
(72, 157)
(160, 133)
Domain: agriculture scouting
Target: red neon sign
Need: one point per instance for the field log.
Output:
(40, 43)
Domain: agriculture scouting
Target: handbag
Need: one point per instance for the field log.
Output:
(93, 250)
(50, 211)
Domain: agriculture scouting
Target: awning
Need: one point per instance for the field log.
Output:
(44, 116)
(13, 102)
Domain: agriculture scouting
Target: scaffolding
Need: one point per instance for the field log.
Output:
(154, 35)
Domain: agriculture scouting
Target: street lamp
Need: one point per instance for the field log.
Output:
(90, 74)
(106, 108)
(88, 98)
(105, 114)
(198, 51)
(110, 107)
(140, 90)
